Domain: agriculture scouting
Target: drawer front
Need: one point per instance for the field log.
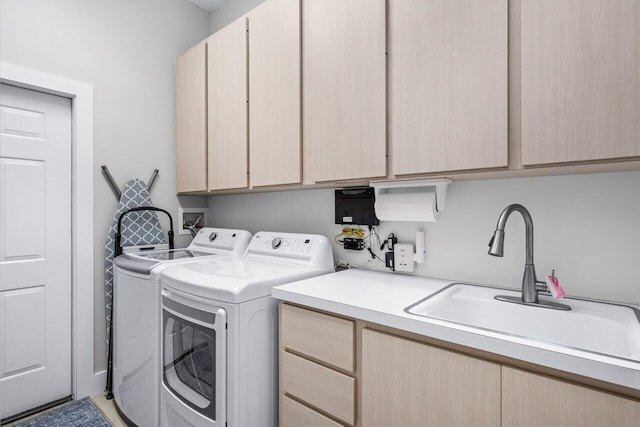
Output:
(295, 414)
(323, 337)
(324, 388)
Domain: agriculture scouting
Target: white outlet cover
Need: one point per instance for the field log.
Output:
(403, 257)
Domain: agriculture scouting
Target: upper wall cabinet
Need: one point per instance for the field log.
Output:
(227, 102)
(580, 71)
(447, 85)
(191, 116)
(344, 87)
(274, 93)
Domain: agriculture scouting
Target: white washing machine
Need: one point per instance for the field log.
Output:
(136, 321)
(220, 331)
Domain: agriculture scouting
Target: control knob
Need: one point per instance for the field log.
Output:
(276, 242)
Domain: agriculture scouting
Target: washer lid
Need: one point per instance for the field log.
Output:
(139, 265)
(234, 279)
(166, 255)
(145, 261)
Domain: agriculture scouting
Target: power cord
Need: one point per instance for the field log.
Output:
(371, 242)
(373, 232)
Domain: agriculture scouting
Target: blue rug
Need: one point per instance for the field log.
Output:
(78, 413)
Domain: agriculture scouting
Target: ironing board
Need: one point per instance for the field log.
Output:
(138, 229)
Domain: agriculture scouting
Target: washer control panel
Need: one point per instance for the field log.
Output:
(304, 249)
(222, 239)
(282, 244)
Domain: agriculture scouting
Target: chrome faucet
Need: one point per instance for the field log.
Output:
(530, 283)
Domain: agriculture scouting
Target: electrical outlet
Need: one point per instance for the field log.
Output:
(403, 257)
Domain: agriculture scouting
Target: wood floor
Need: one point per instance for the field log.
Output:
(108, 409)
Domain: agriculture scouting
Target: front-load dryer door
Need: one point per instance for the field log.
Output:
(194, 357)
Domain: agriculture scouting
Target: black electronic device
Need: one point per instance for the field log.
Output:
(354, 205)
(388, 260)
(353, 243)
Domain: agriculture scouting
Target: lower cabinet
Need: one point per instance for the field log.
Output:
(532, 400)
(336, 371)
(409, 383)
(317, 372)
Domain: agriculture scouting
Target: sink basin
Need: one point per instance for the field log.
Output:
(596, 327)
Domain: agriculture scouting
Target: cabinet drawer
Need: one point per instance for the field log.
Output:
(320, 336)
(295, 414)
(321, 387)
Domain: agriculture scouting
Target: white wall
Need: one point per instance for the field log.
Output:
(586, 227)
(126, 50)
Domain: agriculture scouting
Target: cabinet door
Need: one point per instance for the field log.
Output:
(191, 117)
(344, 101)
(533, 400)
(580, 80)
(227, 101)
(448, 85)
(413, 384)
(274, 94)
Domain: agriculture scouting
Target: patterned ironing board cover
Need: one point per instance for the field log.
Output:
(138, 229)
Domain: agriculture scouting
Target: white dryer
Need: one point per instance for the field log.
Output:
(136, 321)
(220, 331)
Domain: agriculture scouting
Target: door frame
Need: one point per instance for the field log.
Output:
(84, 382)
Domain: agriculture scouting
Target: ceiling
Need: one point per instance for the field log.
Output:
(208, 5)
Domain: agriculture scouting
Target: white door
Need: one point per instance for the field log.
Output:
(35, 249)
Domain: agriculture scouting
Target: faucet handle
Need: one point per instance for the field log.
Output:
(541, 286)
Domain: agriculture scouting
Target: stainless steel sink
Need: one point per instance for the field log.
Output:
(596, 327)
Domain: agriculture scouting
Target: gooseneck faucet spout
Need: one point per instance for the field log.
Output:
(496, 246)
(530, 283)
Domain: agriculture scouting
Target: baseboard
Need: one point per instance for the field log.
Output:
(99, 384)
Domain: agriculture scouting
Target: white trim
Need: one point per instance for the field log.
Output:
(84, 381)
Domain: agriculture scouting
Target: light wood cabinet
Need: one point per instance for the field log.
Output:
(275, 152)
(227, 107)
(409, 383)
(580, 80)
(333, 337)
(344, 89)
(494, 88)
(191, 118)
(400, 378)
(447, 85)
(531, 400)
(317, 368)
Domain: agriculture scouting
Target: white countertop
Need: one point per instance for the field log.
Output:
(381, 297)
